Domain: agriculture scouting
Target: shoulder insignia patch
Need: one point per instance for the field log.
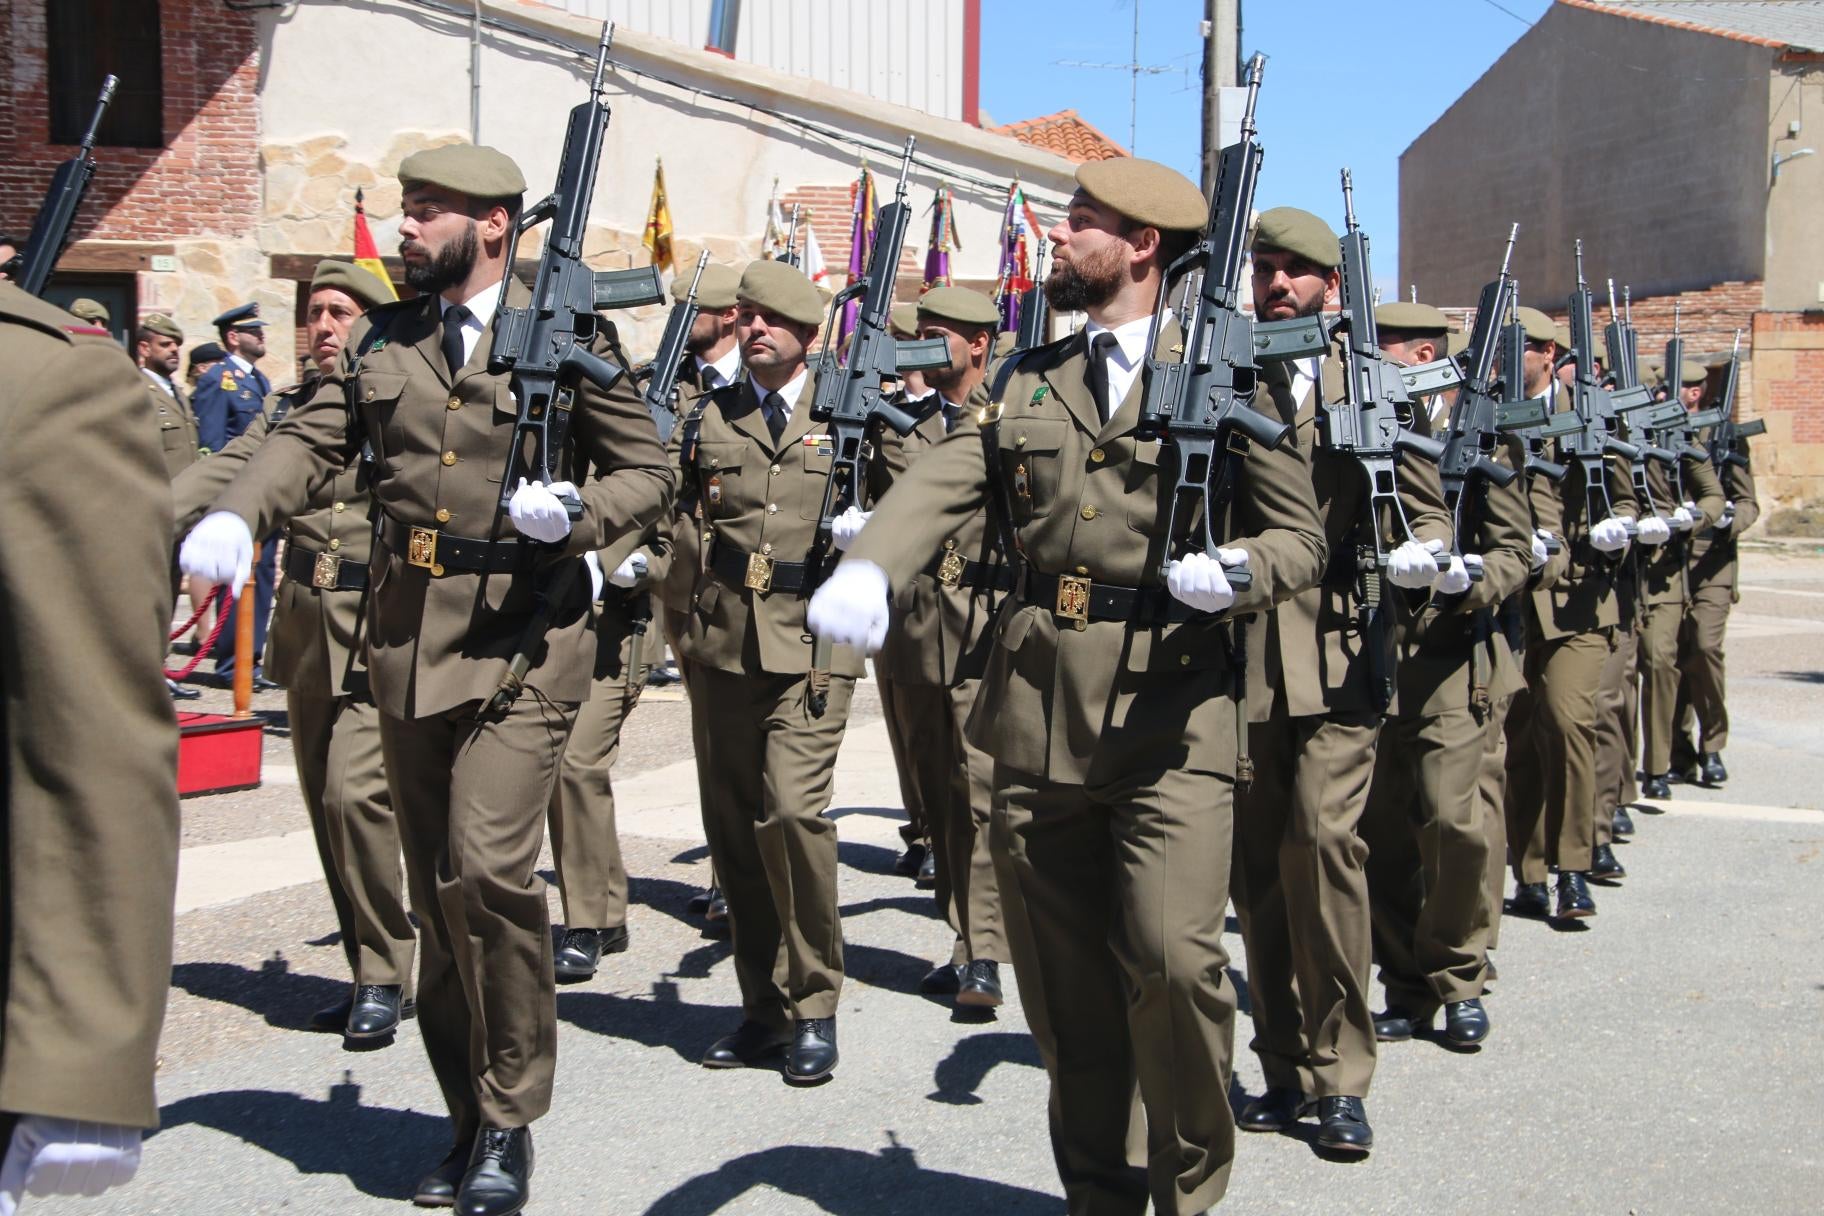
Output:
(228, 382)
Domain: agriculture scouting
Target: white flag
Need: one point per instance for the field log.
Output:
(810, 259)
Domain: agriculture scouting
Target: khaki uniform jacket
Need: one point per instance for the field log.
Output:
(677, 587)
(1583, 598)
(88, 741)
(1309, 651)
(1088, 498)
(1663, 567)
(757, 497)
(939, 634)
(439, 641)
(316, 645)
(177, 437)
(1713, 553)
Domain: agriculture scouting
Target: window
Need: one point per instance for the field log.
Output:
(85, 41)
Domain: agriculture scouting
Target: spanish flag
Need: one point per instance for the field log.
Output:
(367, 254)
(658, 224)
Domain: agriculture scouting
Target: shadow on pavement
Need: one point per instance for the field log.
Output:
(922, 905)
(660, 1021)
(275, 992)
(897, 814)
(382, 1152)
(959, 1074)
(893, 970)
(848, 1182)
(868, 858)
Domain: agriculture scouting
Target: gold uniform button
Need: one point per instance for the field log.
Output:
(334, 544)
(772, 508)
(1020, 442)
(455, 403)
(1184, 660)
(774, 470)
(1097, 456)
(1089, 512)
(767, 548)
(443, 515)
(341, 506)
(1082, 569)
(449, 458)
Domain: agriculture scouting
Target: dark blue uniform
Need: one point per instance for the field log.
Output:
(226, 400)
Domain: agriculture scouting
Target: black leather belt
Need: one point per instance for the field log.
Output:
(324, 571)
(756, 571)
(952, 569)
(1076, 598)
(438, 551)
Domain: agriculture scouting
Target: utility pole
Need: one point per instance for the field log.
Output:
(1221, 70)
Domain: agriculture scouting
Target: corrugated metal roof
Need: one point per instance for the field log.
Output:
(1785, 24)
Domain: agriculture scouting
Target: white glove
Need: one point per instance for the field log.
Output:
(1198, 581)
(66, 1157)
(595, 574)
(1540, 554)
(219, 550)
(1610, 536)
(631, 570)
(847, 526)
(1728, 519)
(850, 609)
(1454, 579)
(1413, 565)
(1689, 507)
(538, 512)
(1684, 517)
(1653, 531)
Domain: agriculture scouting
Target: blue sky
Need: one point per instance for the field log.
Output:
(1348, 83)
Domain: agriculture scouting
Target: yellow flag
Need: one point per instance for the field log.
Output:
(367, 255)
(658, 224)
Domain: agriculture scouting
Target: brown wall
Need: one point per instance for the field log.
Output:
(1795, 204)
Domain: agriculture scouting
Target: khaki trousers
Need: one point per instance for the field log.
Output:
(336, 743)
(1116, 898)
(1428, 859)
(1660, 629)
(917, 826)
(1700, 664)
(1551, 758)
(1301, 894)
(471, 790)
(1491, 793)
(1617, 733)
(773, 768)
(591, 876)
(950, 781)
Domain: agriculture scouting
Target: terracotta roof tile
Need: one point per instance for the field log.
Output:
(1066, 134)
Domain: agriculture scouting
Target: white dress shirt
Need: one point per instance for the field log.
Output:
(481, 315)
(722, 371)
(788, 396)
(1124, 359)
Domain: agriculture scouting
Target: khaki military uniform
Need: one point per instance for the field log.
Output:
(1666, 587)
(177, 438)
(1114, 742)
(469, 786)
(1301, 890)
(929, 672)
(90, 743)
(316, 649)
(1714, 578)
(771, 762)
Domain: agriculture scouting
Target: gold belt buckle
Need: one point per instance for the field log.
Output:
(1073, 598)
(421, 550)
(759, 572)
(950, 570)
(323, 573)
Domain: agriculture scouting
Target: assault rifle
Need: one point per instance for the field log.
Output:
(1679, 431)
(849, 399)
(51, 229)
(1035, 310)
(544, 347)
(662, 388)
(1595, 438)
(1728, 431)
(1629, 396)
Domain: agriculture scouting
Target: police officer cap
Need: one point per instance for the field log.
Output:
(902, 319)
(1146, 192)
(162, 325)
(1300, 232)
(472, 169)
(1538, 326)
(92, 311)
(1691, 373)
(362, 284)
(208, 352)
(715, 290)
(247, 316)
(1407, 317)
(779, 288)
(961, 305)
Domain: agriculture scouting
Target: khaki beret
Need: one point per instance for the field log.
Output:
(1538, 326)
(1455, 343)
(1691, 373)
(1561, 334)
(92, 311)
(715, 290)
(1299, 232)
(361, 284)
(1411, 318)
(1005, 344)
(961, 305)
(1146, 192)
(902, 319)
(162, 325)
(475, 170)
(782, 289)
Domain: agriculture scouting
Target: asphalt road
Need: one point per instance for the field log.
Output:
(1662, 1060)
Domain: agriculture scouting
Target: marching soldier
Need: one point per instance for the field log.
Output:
(1301, 891)
(90, 869)
(157, 348)
(1109, 704)
(454, 592)
(319, 654)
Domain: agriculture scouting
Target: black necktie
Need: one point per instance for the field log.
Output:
(774, 406)
(453, 319)
(951, 414)
(1096, 374)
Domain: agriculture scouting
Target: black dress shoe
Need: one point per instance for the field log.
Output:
(376, 1012)
(1712, 770)
(179, 692)
(1396, 1025)
(1574, 902)
(262, 684)
(981, 984)
(1465, 1023)
(717, 911)
(1604, 867)
(699, 903)
(437, 1189)
(812, 1055)
(1623, 823)
(1530, 899)
(1273, 1111)
(1656, 787)
(912, 860)
(582, 949)
(751, 1042)
(943, 979)
(499, 1180)
(927, 870)
(1342, 1125)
